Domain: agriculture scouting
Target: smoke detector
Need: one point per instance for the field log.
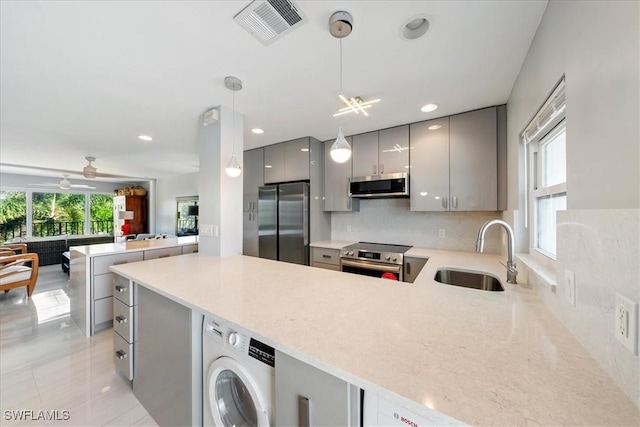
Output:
(270, 20)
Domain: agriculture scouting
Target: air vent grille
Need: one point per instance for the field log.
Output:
(269, 20)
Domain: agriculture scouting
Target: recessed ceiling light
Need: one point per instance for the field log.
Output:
(145, 137)
(434, 127)
(415, 27)
(429, 108)
(257, 131)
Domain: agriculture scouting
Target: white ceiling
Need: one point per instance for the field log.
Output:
(85, 78)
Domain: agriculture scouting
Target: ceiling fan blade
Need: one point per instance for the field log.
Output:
(45, 184)
(83, 186)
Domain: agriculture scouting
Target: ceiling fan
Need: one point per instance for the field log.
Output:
(65, 184)
(88, 172)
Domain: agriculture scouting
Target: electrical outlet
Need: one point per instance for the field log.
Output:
(441, 233)
(626, 322)
(206, 229)
(570, 286)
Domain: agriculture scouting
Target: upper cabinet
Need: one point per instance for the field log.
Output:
(454, 162)
(336, 183)
(287, 161)
(381, 152)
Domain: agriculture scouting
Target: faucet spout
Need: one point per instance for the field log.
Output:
(511, 262)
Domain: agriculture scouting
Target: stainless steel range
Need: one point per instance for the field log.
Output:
(374, 259)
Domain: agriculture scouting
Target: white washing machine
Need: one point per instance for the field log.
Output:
(239, 377)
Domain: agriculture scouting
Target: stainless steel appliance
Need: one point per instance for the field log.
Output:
(374, 259)
(283, 222)
(380, 186)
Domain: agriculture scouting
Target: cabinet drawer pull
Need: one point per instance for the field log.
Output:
(326, 256)
(444, 203)
(454, 202)
(121, 288)
(408, 268)
(120, 262)
(375, 169)
(121, 354)
(164, 256)
(121, 319)
(381, 168)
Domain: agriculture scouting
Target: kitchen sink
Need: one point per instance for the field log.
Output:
(468, 279)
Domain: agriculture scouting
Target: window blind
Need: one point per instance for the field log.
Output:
(548, 116)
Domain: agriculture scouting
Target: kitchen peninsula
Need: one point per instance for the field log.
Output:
(484, 358)
(90, 281)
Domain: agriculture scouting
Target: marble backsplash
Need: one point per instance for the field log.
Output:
(602, 248)
(391, 221)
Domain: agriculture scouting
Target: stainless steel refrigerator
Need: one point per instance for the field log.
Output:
(283, 222)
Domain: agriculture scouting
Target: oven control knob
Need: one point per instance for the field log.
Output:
(234, 338)
(387, 257)
(351, 253)
(395, 258)
(346, 252)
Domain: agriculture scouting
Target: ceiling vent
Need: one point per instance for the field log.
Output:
(269, 20)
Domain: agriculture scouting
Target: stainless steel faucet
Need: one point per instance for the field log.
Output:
(511, 262)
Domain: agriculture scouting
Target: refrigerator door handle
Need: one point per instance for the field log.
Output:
(305, 217)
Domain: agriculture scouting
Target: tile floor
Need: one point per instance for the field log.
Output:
(46, 364)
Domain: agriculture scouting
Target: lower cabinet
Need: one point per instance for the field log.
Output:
(308, 396)
(124, 328)
(325, 258)
(413, 267)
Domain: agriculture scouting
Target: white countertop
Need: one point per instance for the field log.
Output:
(489, 358)
(134, 245)
(332, 244)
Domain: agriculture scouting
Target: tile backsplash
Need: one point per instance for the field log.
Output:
(391, 221)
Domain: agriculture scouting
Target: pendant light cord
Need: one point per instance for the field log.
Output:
(340, 66)
(233, 123)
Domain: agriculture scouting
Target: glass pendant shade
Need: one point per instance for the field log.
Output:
(340, 150)
(233, 168)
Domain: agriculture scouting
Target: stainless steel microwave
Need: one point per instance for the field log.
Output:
(380, 186)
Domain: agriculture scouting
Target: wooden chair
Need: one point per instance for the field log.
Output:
(15, 248)
(14, 273)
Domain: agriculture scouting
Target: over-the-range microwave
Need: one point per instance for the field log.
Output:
(380, 186)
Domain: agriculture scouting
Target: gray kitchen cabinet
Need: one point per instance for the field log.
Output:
(166, 362)
(413, 267)
(365, 154)
(325, 258)
(307, 396)
(455, 167)
(473, 163)
(429, 177)
(287, 161)
(393, 150)
(274, 163)
(253, 179)
(336, 183)
(381, 152)
(124, 329)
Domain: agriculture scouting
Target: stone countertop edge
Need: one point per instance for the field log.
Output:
(134, 245)
(485, 358)
(332, 244)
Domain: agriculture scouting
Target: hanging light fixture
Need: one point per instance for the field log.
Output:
(340, 26)
(233, 168)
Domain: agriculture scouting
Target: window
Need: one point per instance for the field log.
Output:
(13, 214)
(101, 210)
(546, 160)
(55, 214)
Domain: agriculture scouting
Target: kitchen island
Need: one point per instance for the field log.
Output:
(90, 281)
(489, 358)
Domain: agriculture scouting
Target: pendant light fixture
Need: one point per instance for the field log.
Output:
(340, 26)
(233, 168)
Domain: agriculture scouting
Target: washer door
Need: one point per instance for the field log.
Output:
(234, 397)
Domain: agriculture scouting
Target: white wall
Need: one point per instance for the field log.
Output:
(596, 45)
(167, 189)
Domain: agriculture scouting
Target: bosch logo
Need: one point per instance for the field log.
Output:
(408, 422)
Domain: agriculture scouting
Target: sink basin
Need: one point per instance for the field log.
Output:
(468, 279)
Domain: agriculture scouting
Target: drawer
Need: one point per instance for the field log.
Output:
(101, 264)
(123, 356)
(123, 290)
(102, 286)
(162, 253)
(326, 266)
(189, 249)
(102, 310)
(123, 320)
(326, 256)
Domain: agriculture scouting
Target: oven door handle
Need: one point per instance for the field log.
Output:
(376, 267)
